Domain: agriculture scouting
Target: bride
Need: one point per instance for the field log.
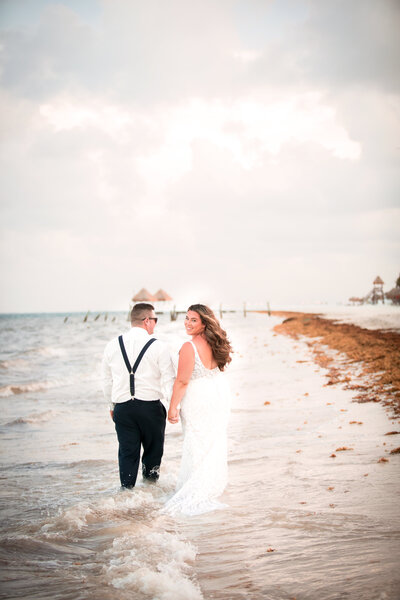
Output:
(202, 392)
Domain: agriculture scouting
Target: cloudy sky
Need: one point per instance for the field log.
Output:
(223, 150)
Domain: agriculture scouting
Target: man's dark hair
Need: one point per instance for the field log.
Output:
(141, 311)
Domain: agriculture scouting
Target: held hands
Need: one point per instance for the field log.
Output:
(173, 415)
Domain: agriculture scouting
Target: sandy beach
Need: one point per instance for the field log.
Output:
(376, 351)
(313, 472)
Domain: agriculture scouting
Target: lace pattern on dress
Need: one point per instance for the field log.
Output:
(199, 369)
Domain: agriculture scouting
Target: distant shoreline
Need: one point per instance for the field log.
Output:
(226, 308)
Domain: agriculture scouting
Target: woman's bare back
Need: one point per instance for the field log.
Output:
(205, 352)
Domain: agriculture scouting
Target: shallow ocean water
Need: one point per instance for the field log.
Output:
(300, 524)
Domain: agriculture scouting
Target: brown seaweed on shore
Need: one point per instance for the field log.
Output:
(395, 451)
(377, 350)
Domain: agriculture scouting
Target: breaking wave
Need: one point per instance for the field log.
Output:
(33, 418)
(12, 362)
(35, 386)
(154, 563)
(47, 351)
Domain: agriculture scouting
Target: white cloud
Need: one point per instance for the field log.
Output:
(246, 56)
(68, 114)
(257, 128)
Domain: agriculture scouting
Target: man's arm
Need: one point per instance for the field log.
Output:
(185, 370)
(107, 382)
(167, 372)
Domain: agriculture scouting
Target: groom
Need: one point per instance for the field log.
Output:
(137, 371)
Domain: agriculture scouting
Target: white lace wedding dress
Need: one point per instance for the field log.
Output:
(204, 414)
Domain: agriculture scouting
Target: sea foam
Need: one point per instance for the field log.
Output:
(120, 506)
(153, 563)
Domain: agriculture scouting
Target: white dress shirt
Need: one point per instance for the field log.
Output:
(155, 374)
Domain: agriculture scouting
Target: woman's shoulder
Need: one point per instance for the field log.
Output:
(202, 345)
(187, 357)
(187, 348)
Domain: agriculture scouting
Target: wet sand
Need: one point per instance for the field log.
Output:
(376, 351)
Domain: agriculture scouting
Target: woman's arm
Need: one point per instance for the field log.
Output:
(185, 369)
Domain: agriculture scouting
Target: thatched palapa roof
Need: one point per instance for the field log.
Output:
(162, 296)
(378, 281)
(144, 296)
(394, 294)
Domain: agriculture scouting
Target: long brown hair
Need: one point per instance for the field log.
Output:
(215, 335)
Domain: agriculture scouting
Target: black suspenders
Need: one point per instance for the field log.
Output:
(132, 370)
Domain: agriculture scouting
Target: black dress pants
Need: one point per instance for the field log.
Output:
(139, 423)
